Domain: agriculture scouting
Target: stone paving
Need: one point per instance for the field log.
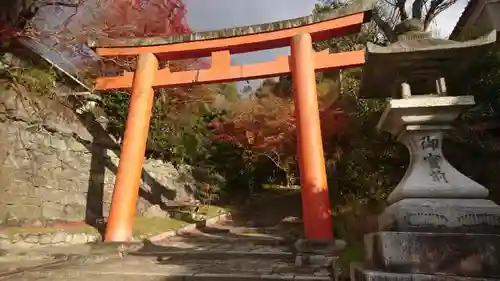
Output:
(227, 251)
(58, 238)
(134, 267)
(12, 263)
(182, 258)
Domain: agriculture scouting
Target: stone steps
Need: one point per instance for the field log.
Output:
(42, 263)
(264, 241)
(222, 267)
(221, 255)
(242, 265)
(260, 263)
(151, 276)
(215, 246)
(165, 256)
(199, 237)
(221, 251)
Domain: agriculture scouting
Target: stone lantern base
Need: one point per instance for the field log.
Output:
(439, 224)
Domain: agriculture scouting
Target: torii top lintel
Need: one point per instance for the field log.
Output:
(221, 44)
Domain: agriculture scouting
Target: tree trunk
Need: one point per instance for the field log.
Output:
(15, 14)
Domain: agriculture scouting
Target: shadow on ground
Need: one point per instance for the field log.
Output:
(268, 209)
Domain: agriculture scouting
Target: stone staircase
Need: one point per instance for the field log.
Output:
(220, 252)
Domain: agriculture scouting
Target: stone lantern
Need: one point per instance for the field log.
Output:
(439, 222)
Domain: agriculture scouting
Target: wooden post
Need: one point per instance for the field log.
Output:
(128, 177)
(315, 197)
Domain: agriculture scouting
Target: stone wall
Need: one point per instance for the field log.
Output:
(57, 165)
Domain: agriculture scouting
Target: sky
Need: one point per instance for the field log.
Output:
(217, 14)
(206, 15)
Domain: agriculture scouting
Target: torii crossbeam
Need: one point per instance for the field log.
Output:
(219, 45)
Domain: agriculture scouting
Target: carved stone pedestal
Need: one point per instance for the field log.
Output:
(319, 254)
(439, 224)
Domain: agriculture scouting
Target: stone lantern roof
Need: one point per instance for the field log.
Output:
(418, 61)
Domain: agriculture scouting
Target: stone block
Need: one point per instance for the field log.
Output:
(74, 145)
(57, 143)
(73, 198)
(155, 211)
(32, 238)
(74, 212)
(363, 273)
(314, 260)
(311, 278)
(38, 179)
(219, 277)
(476, 255)
(23, 212)
(18, 199)
(49, 194)
(441, 215)
(52, 211)
(46, 238)
(72, 184)
(319, 247)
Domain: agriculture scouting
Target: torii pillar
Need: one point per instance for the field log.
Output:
(128, 176)
(315, 198)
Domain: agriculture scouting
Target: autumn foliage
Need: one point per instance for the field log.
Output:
(143, 18)
(123, 19)
(268, 125)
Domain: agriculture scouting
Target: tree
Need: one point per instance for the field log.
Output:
(266, 127)
(477, 134)
(362, 163)
(178, 126)
(367, 164)
(65, 26)
(16, 15)
(390, 13)
(228, 90)
(114, 18)
(127, 19)
(482, 80)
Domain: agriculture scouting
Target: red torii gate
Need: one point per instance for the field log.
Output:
(302, 64)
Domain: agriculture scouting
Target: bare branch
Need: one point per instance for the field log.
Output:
(385, 27)
(436, 7)
(431, 14)
(17, 15)
(59, 3)
(400, 4)
(416, 9)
